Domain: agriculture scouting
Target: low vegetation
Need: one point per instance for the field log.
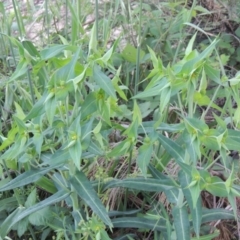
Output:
(119, 120)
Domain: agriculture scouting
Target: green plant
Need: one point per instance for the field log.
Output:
(82, 126)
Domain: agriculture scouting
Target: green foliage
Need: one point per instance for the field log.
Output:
(82, 120)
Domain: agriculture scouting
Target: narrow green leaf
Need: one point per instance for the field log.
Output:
(164, 98)
(103, 81)
(175, 151)
(211, 215)
(89, 106)
(85, 191)
(123, 213)
(172, 148)
(93, 40)
(121, 149)
(181, 223)
(217, 187)
(144, 156)
(51, 52)
(50, 109)
(209, 236)
(153, 58)
(46, 184)
(21, 69)
(30, 48)
(189, 47)
(138, 222)
(232, 201)
(144, 184)
(194, 203)
(27, 178)
(154, 91)
(76, 153)
(7, 224)
(21, 213)
(38, 108)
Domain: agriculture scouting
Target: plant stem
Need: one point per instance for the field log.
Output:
(128, 172)
(138, 51)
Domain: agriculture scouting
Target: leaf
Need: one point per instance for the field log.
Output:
(129, 53)
(154, 91)
(6, 224)
(217, 187)
(121, 149)
(164, 98)
(204, 100)
(40, 217)
(194, 202)
(86, 130)
(197, 124)
(173, 193)
(9, 203)
(22, 227)
(26, 178)
(38, 108)
(103, 81)
(138, 222)
(50, 109)
(181, 223)
(76, 153)
(143, 184)
(67, 72)
(19, 112)
(28, 45)
(175, 151)
(54, 51)
(93, 39)
(85, 191)
(21, 69)
(31, 199)
(155, 60)
(212, 73)
(89, 106)
(20, 213)
(173, 148)
(209, 236)
(123, 213)
(211, 215)
(189, 47)
(232, 140)
(144, 156)
(46, 184)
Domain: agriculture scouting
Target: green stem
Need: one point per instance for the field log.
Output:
(128, 172)
(47, 19)
(138, 51)
(96, 19)
(19, 19)
(31, 86)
